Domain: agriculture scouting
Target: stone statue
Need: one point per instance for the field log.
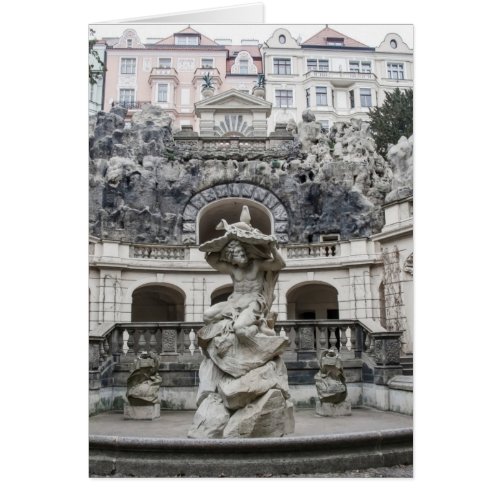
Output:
(143, 387)
(243, 389)
(400, 157)
(331, 386)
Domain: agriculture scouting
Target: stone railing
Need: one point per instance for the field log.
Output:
(116, 344)
(170, 339)
(312, 250)
(348, 75)
(242, 143)
(163, 72)
(160, 252)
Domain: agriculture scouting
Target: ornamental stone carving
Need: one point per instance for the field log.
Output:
(237, 190)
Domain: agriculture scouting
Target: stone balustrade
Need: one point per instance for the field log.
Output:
(312, 250)
(161, 252)
(176, 341)
(347, 75)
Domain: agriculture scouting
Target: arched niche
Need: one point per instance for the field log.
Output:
(221, 294)
(250, 194)
(230, 210)
(312, 301)
(157, 302)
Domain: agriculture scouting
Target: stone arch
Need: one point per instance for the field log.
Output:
(230, 210)
(243, 190)
(221, 294)
(157, 302)
(312, 300)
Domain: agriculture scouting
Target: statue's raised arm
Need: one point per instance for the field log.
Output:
(253, 261)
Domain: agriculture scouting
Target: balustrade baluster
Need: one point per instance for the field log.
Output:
(321, 338)
(131, 343)
(333, 338)
(343, 339)
(141, 345)
(185, 336)
(153, 343)
(192, 337)
(106, 347)
(125, 337)
(102, 354)
(368, 342)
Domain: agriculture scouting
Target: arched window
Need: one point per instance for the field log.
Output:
(157, 303)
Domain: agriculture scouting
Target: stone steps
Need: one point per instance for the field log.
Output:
(407, 363)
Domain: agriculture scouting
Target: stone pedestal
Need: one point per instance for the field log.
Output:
(146, 412)
(333, 409)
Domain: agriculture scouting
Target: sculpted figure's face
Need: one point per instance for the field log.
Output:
(239, 257)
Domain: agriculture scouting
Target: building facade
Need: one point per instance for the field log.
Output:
(335, 76)
(156, 195)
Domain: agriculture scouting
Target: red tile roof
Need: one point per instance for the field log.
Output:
(321, 39)
(170, 40)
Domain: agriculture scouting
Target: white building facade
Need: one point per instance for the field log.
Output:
(335, 76)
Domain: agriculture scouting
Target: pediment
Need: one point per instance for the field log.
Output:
(233, 99)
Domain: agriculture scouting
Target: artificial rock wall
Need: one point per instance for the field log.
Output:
(142, 179)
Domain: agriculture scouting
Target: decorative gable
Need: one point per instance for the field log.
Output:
(233, 100)
(244, 61)
(129, 40)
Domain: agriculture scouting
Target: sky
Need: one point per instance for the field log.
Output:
(369, 34)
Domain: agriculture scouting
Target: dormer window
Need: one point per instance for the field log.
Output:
(335, 42)
(129, 43)
(187, 40)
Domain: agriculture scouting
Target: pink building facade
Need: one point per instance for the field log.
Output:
(169, 73)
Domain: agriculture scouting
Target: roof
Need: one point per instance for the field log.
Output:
(204, 40)
(320, 39)
(253, 50)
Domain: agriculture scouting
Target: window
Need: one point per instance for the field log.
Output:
(284, 98)
(127, 66)
(394, 44)
(187, 40)
(308, 98)
(317, 65)
(282, 66)
(366, 98)
(395, 71)
(351, 98)
(325, 125)
(244, 66)
(162, 92)
(335, 42)
(127, 97)
(129, 43)
(282, 39)
(321, 99)
(360, 66)
(207, 62)
(164, 62)
(329, 237)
